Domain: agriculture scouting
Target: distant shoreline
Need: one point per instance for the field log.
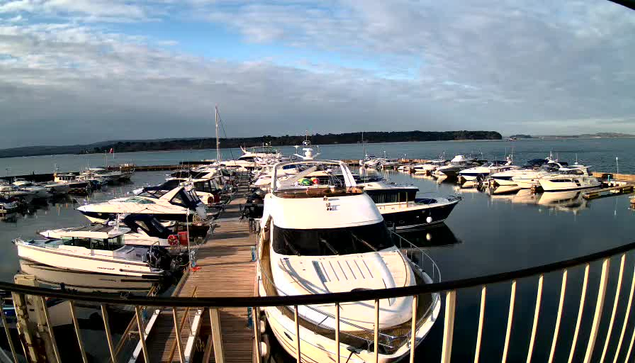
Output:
(229, 143)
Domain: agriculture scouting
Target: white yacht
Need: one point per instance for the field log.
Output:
(577, 177)
(429, 167)
(328, 238)
(39, 192)
(11, 191)
(98, 252)
(8, 208)
(452, 169)
(527, 176)
(483, 171)
(207, 190)
(401, 208)
(178, 204)
(57, 188)
(75, 185)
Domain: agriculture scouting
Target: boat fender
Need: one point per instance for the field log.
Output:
(264, 347)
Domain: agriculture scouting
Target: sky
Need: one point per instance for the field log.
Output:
(82, 71)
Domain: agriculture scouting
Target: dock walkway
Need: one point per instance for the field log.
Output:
(226, 270)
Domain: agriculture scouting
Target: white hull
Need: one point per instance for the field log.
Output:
(318, 348)
(568, 183)
(70, 260)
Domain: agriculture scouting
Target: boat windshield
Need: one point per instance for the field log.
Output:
(331, 241)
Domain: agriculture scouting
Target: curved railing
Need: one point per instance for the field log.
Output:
(449, 288)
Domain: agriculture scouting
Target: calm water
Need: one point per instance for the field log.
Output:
(483, 235)
(599, 153)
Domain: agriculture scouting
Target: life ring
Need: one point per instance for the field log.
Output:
(173, 240)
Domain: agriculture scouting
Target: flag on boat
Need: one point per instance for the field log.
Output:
(112, 151)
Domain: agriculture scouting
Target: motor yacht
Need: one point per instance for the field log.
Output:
(483, 171)
(429, 167)
(179, 204)
(452, 169)
(39, 192)
(401, 208)
(97, 252)
(10, 191)
(207, 190)
(75, 185)
(577, 177)
(329, 238)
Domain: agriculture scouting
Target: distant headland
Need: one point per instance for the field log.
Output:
(286, 140)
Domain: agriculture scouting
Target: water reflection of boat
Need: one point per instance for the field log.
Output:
(85, 282)
(571, 201)
(438, 235)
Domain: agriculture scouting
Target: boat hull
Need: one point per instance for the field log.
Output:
(564, 185)
(69, 261)
(416, 215)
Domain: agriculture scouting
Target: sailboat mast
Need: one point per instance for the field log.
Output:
(218, 156)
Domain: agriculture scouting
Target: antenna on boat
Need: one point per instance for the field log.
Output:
(216, 119)
(617, 165)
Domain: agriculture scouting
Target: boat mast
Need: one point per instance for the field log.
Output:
(218, 156)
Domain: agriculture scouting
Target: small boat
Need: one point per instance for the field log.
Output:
(97, 252)
(578, 177)
(401, 208)
(8, 208)
(179, 204)
(429, 167)
(309, 234)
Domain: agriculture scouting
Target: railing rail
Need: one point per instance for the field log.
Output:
(322, 298)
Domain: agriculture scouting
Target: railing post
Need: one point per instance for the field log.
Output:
(297, 333)
(556, 329)
(45, 310)
(628, 312)
(413, 328)
(80, 343)
(142, 334)
(618, 290)
(448, 326)
(177, 335)
(337, 331)
(534, 327)
(580, 311)
(376, 333)
(599, 305)
(111, 347)
(510, 320)
(14, 354)
(257, 337)
(217, 338)
(479, 333)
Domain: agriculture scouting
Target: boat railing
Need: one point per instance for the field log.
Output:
(596, 320)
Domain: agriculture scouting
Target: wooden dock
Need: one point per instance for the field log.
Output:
(226, 270)
(609, 192)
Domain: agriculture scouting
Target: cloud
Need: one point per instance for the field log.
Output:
(502, 65)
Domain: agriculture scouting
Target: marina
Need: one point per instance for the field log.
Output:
(226, 251)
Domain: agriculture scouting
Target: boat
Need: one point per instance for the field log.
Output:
(207, 190)
(483, 171)
(138, 230)
(57, 189)
(526, 177)
(429, 167)
(39, 192)
(75, 185)
(96, 252)
(452, 169)
(179, 204)
(578, 177)
(8, 208)
(10, 191)
(309, 234)
(401, 208)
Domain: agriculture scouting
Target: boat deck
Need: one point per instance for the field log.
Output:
(226, 270)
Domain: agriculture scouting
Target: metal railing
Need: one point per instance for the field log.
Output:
(613, 328)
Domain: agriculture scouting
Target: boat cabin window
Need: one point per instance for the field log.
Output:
(246, 158)
(96, 244)
(392, 196)
(331, 241)
(203, 186)
(185, 199)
